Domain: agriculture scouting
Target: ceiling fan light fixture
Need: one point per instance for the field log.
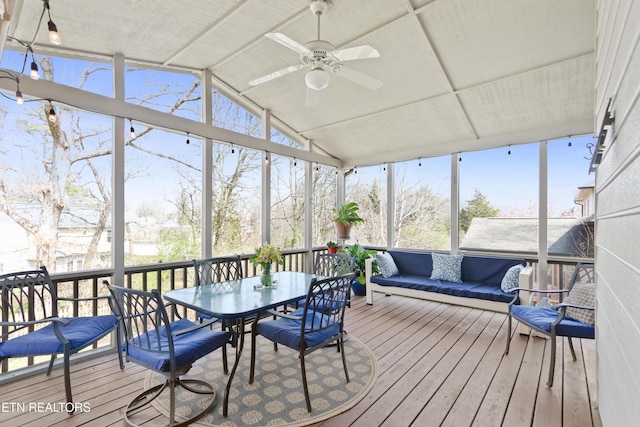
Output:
(317, 79)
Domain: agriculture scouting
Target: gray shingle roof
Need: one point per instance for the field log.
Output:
(566, 236)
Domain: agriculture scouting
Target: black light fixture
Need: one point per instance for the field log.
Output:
(295, 162)
(35, 75)
(188, 142)
(569, 144)
(419, 162)
(233, 149)
(509, 152)
(15, 78)
(132, 131)
(52, 113)
(19, 98)
(266, 157)
(54, 37)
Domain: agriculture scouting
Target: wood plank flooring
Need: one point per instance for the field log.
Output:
(438, 365)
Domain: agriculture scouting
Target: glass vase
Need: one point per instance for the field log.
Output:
(265, 278)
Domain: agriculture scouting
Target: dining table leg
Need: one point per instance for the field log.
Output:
(239, 332)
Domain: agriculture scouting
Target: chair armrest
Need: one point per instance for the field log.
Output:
(284, 315)
(540, 291)
(582, 307)
(106, 297)
(36, 322)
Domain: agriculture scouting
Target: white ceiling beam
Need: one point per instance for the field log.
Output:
(100, 104)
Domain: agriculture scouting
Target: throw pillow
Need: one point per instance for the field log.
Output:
(447, 267)
(511, 278)
(583, 294)
(387, 265)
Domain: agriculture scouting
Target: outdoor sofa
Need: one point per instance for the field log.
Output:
(480, 285)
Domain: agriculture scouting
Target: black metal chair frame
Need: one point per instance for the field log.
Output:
(145, 323)
(583, 273)
(324, 308)
(215, 271)
(29, 302)
(331, 265)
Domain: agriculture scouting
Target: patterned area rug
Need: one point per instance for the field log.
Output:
(276, 396)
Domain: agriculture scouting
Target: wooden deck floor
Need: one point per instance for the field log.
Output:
(438, 365)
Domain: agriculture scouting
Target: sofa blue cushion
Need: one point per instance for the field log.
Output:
(413, 263)
(543, 318)
(469, 290)
(487, 270)
(481, 276)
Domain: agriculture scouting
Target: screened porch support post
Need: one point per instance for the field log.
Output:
(455, 203)
(340, 187)
(266, 179)
(206, 239)
(308, 214)
(391, 207)
(340, 197)
(117, 176)
(542, 217)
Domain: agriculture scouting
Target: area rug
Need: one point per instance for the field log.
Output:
(276, 397)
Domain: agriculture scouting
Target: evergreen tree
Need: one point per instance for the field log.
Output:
(477, 207)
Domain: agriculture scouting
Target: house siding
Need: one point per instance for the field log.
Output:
(618, 214)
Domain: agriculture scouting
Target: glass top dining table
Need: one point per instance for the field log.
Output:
(237, 301)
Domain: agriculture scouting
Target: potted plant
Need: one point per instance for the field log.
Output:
(360, 255)
(346, 216)
(333, 247)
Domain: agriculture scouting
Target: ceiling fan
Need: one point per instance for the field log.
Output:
(322, 59)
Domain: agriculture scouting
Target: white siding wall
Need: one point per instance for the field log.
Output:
(618, 214)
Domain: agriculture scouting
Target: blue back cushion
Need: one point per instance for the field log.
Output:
(486, 270)
(413, 263)
(475, 269)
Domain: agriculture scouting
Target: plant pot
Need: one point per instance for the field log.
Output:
(333, 249)
(344, 231)
(358, 288)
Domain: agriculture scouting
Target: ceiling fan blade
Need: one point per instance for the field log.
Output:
(313, 97)
(288, 42)
(358, 52)
(360, 78)
(276, 74)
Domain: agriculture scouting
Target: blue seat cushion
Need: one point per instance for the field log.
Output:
(482, 291)
(187, 348)
(543, 317)
(80, 331)
(287, 331)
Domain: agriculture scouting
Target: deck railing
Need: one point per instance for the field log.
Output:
(176, 275)
(161, 276)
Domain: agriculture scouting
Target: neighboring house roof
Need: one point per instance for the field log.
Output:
(566, 236)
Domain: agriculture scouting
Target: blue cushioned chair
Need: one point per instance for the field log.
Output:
(169, 348)
(311, 327)
(553, 321)
(215, 271)
(31, 326)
